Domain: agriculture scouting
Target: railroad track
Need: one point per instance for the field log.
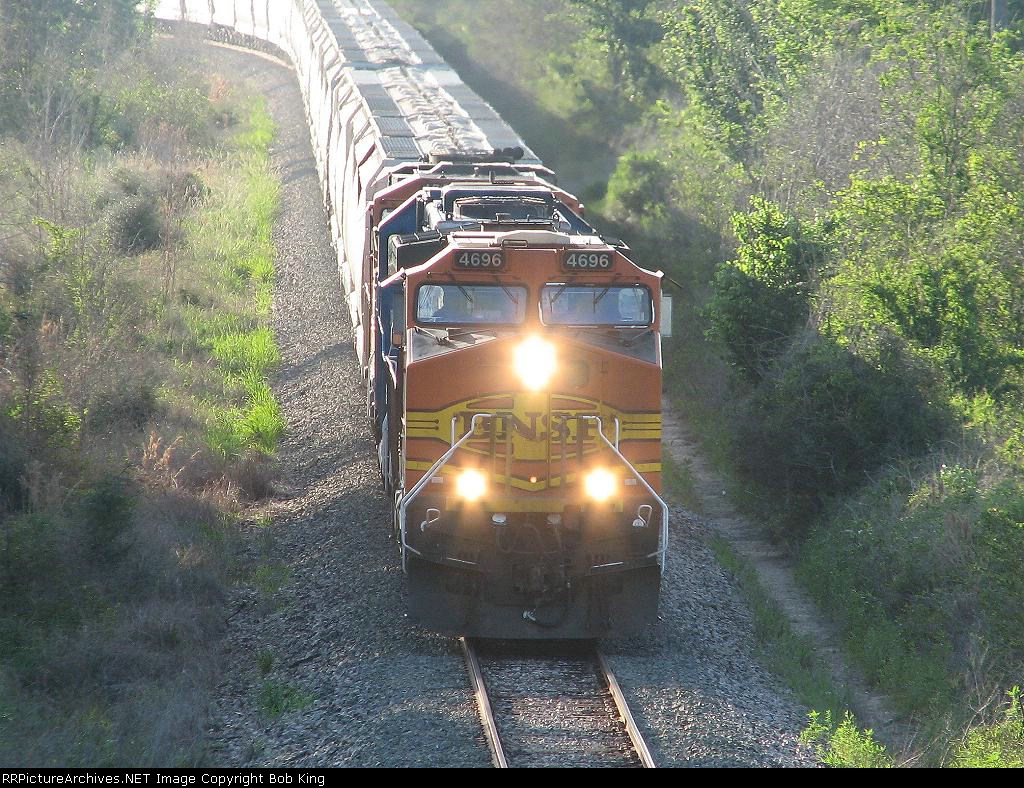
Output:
(552, 704)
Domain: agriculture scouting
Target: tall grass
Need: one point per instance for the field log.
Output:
(136, 417)
(236, 236)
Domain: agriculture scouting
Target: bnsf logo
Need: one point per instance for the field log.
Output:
(537, 426)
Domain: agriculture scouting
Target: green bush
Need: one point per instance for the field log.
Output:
(845, 745)
(999, 745)
(13, 460)
(998, 539)
(922, 571)
(28, 555)
(122, 113)
(135, 201)
(6, 322)
(640, 188)
(725, 62)
(955, 309)
(45, 411)
(761, 299)
(186, 189)
(135, 224)
(131, 404)
(822, 419)
(107, 511)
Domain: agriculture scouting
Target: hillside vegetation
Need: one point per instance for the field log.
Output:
(838, 186)
(136, 424)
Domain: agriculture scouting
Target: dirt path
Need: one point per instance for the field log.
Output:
(776, 572)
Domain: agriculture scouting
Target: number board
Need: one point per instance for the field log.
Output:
(480, 261)
(588, 261)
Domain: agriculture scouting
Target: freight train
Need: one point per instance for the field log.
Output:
(511, 353)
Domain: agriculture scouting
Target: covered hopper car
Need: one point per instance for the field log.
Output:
(511, 353)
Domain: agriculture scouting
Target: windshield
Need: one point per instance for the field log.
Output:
(596, 305)
(455, 304)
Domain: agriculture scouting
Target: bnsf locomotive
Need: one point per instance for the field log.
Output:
(512, 354)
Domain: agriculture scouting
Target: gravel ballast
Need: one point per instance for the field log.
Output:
(699, 695)
(331, 644)
(379, 692)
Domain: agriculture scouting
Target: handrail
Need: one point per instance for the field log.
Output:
(417, 488)
(662, 550)
(425, 479)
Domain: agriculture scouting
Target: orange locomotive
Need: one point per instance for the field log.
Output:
(515, 390)
(513, 356)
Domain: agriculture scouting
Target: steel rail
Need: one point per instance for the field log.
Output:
(490, 725)
(635, 737)
(483, 705)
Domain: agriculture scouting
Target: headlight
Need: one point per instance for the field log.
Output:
(535, 362)
(471, 484)
(599, 484)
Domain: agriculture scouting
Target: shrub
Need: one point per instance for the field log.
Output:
(135, 224)
(131, 404)
(998, 537)
(956, 309)
(1000, 744)
(45, 411)
(107, 514)
(640, 187)
(186, 189)
(761, 298)
(126, 181)
(12, 468)
(822, 418)
(123, 115)
(6, 322)
(254, 476)
(28, 555)
(845, 745)
(136, 200)
(922, 570)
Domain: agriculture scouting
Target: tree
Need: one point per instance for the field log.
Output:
(723, 62)
(626, 30)
(761, 298)
(46, 46)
